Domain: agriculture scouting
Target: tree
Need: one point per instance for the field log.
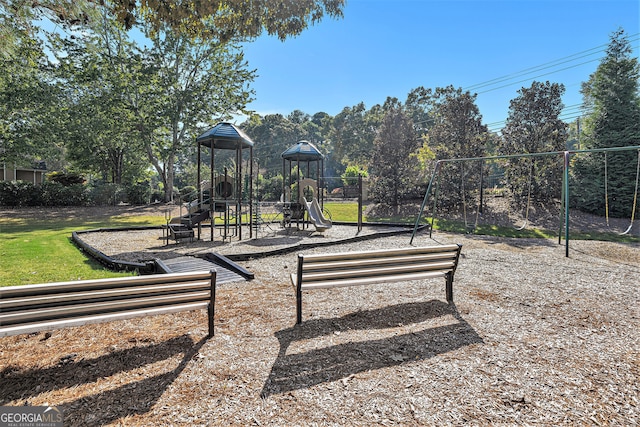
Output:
(129, 102)
(456, 131)
(273, 134)
(419, 106)
(218, 20)
(97, 124)
(21, 18)
(533, 126)
(393, 166)
(225, 20)
(183, 84)
(28, 96)
(352, 133)
(612, 93)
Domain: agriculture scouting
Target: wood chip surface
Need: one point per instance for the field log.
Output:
(534, 338)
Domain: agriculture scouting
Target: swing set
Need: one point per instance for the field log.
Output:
(564, 211)
(606, 193)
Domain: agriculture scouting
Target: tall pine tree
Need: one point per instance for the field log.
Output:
(612, 93)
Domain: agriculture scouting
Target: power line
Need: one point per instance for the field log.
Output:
(525, 72)
(568, 113)
(540, 75)
(552, 64)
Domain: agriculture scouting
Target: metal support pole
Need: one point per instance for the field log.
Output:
(562, 207)
(359, 202)
(238, 181)
(435, 205)
(566, 203)
(212, 190)
(424, 202)
(251, 193)
(199, 189)
(480, 208)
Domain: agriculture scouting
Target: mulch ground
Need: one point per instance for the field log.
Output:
(533, 338)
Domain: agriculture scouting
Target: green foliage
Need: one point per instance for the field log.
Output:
(534, 126)
(351, 174)
(225, 20)
(456, 132)
(274, 134)
(188, 193)
(27, 101)
(57, 194)
(613, 92)
(107, 194)
(393, 169)
(589, 179)
(195, 83)
(268, 189)
(138, 194)
(21, 194)
(352, 134)
(208, 21)
(65, 178)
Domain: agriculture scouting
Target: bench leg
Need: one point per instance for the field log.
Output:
(298, 306)
(449, 287)
(212, 303)
(299, 290)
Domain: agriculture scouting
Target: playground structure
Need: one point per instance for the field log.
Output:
(221, 196)
(296, 205)
(565, 156)
(226, 196)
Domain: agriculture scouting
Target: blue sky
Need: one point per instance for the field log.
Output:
(388, 47)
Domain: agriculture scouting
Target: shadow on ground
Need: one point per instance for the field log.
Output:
(303, 370)
(110, 405)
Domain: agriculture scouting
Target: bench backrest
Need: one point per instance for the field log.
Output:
(33, 308)
(352, 268)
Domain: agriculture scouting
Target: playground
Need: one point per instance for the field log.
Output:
(533, 336)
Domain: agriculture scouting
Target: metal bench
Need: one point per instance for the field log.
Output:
(370, 267)
(48, 306)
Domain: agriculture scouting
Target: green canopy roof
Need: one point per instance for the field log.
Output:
(225, 136)
(303, 150)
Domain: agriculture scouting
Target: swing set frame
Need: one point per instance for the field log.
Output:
(564, 209)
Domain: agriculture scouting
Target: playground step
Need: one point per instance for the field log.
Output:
(195, 217)
(180, 231)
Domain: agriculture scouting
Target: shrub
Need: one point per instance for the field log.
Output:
(57, 194)
(138, 194)
(19, 193)
(350, 175)
(66, 178)
(188, 193)
(107, 194)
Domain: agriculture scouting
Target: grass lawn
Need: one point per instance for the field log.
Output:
(41, 251)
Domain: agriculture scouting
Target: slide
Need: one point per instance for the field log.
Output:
(315, 215)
